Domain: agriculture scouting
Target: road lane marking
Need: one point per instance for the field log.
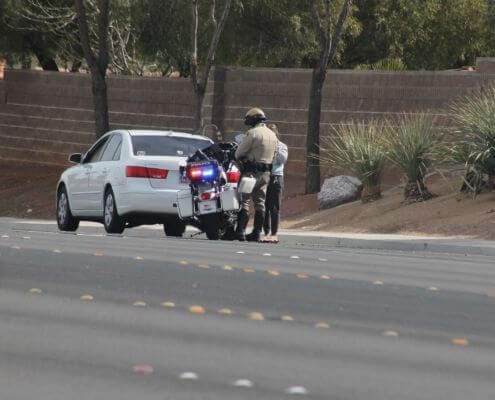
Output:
(273, 272)
(26, 237)
(390, 334)
(143, 369)
(240, 252)
(302, 276)
(460, 342)
(225, 311)
(377, 283)
(248, 270)
(5, 236)
(295, 257)
(433, 288)
(256, 316)
(139, 303)
(168, 304)
(138, 258)
(227, 268)
(301, 390)
(97, 254)
(204, 266)
(87, 297)
(56, 251)
(196, 309)
(183, 262)
(15, 247)
(267, 254)
(325, 277)
(35, 290)
(322, 325)
(189, 376)
(245, 383)
(287, 318)
(322, 259)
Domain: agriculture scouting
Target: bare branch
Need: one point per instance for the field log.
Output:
(214, 43)
(339, 27)
(194, 36)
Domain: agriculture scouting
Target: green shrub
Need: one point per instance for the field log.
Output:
(357, 147)
(474, 143)
(410, 144)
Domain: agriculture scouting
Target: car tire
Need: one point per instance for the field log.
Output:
(112, 221)
(65, 219)
(174, 227)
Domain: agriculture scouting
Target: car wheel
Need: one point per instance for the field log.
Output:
(174, 227)
(65, 219)
(111, 219)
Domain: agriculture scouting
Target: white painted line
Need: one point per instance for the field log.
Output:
(5, 236)
(295, 257)
(189, 376)
(296, 390)
(240, 252)
(322, 259)
(246, 383)
(26, 237)
(267, 254)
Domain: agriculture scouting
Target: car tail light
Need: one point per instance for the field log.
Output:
(134, 171)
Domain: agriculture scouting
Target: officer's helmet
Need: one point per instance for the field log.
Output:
(254, 116)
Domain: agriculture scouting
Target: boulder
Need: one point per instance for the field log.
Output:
(339, 190)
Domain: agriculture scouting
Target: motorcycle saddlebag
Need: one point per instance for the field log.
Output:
(184, 203)
(229, 200)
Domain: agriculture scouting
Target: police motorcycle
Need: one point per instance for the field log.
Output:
(211, 203)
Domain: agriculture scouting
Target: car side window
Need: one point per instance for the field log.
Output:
(96, 151)
(111, 148)
(116, 155)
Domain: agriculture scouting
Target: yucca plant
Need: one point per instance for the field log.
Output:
(410, 143)
(357, 147)
(474, 145)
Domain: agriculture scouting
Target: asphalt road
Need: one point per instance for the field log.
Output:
(140, 316)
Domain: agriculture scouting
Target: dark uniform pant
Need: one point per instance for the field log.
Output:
(259, 192)
(273, 202)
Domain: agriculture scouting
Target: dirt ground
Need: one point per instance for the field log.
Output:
(28, 191)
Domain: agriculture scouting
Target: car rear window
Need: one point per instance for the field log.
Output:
(166, 145)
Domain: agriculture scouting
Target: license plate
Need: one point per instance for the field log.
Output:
(207, 207)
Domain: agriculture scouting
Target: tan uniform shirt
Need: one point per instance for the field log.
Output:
(259, 145)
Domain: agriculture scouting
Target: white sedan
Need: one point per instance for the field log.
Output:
(127, 178)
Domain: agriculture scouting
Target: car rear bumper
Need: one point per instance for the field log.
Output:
(155, 201)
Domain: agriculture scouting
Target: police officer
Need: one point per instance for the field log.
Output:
(256, 153)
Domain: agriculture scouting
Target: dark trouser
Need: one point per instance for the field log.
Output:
(272, 204)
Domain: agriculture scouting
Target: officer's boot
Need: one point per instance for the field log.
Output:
(254, 236)
(242, 221)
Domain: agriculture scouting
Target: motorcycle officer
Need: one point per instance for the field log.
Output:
(256, 153)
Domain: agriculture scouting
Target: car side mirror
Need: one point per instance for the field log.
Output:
(75, 158)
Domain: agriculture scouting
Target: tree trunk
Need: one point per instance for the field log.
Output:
(46, 62)
(198, 115)
(99, 89)
(313, 135)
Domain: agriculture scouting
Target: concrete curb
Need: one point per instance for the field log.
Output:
(411, 244)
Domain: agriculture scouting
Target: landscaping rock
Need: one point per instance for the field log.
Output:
(339, 190)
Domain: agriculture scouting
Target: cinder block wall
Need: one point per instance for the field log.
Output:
(358, 95)
(46, 115)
